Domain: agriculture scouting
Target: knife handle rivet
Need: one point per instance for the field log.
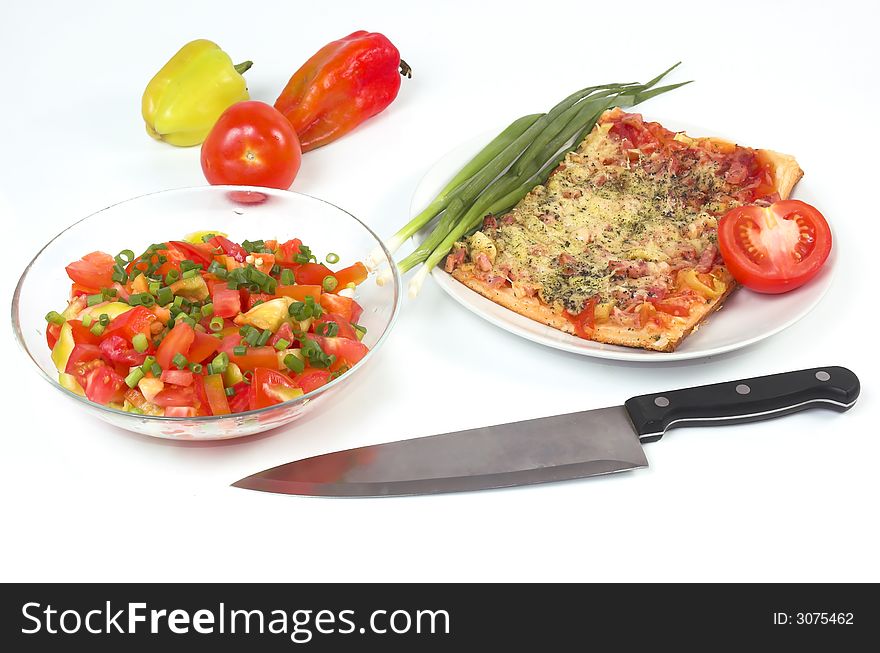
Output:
(743, 389)
(663, 402)
(822, 375)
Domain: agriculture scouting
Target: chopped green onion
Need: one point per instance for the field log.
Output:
(164, 296)
(156, 369)
(189, 321)
(140, 343)
(148, 363)
(328, 329)
(270, 286)
(154, 286)
(252, 246)
(247, 376)
(208, 309)
(294, 364)
(55, 317)
(360, 331)
(229, 391)
(239, 350)
(86, 320)
(104, 319)
(264, 337)
(97, 329)
(207, 237)
(305, 255)
(133, 377)
(332, 257)
(179, 301)
(287, 278)
(91, 300)
(141, 299)
(276, 270)
(189, 274)
(214, 268)
(282, 344)
(329, 283)
(187, 265)
(119, 274)
(252, 337)
(216, 323)
(172, 276)
(126, 255)
(179, 361)
(196, 368)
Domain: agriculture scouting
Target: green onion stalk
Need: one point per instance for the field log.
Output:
(526, 161)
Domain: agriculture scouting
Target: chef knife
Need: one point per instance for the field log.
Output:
(555, 448)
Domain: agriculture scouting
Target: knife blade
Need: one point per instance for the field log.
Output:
(556, 448)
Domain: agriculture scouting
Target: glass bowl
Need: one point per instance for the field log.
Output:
(243, 213)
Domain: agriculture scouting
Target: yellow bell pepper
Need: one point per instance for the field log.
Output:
(184, 100)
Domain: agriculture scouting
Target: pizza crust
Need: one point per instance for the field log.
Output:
(654, 339)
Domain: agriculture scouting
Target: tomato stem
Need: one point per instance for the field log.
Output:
(405, 69)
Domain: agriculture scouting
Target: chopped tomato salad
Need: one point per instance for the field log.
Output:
(206, 326)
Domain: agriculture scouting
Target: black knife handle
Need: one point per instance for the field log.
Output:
(747, 400)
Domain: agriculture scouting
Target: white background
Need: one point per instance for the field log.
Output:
(791, 499)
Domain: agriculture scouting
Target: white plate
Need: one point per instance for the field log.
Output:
(745, 318)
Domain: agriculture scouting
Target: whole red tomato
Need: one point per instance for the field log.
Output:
(251, 144)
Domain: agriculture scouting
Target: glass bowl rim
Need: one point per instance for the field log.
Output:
(16, 326)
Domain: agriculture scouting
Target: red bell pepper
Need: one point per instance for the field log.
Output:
(343, 84)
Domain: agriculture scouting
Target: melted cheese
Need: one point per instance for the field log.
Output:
(564, 239)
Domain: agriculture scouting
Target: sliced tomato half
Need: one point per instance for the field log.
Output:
(774, 249)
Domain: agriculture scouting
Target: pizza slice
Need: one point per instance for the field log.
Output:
(619, 246)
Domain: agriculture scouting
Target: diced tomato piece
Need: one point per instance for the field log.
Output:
(285, 332)
(131, 323)
(79, 290)
(286, 253)
(346, 351)
(227, 302)
(103, 385)
(198, 385)
(52, 333)
(250, 299)
(355, 274)
(234, 250)
(216, 395)
(311, 273)
(117, 349)
(241, 400)
(201, 254)
(177, 377)
(264, 383)
(356, 311)
(299, 293)
(344, 329)
(256, 357)
(80, 354)
(180, 411)
(177, 341)
(342, 306)
(312, 379)
(203, 345)
(175, 395)
(94, 270)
